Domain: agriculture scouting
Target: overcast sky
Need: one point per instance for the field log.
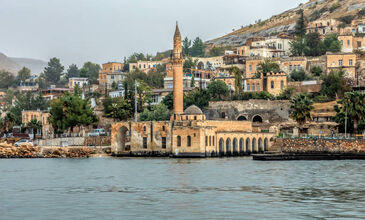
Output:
(107, 30)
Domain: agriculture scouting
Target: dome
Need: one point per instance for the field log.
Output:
(193, 110)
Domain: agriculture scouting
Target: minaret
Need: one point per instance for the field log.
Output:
(177, 68)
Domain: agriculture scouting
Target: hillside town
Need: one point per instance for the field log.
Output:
(304, 82)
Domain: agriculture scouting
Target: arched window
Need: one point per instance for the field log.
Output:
(253, 86)
(210, 140)
(272, 84)
(248, 145)
(248, 87)
(163, 128)
(282, 84)
(178, 141)
(266, 145)
(189, 141)
(258, 87)
(254, 146)
(144, 128)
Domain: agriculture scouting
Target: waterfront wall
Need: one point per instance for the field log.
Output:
(27, 151)
(289, 145)
(75, 141)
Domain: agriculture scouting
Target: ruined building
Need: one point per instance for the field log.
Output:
(188, 133)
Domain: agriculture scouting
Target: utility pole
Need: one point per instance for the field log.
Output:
(346, 124)
(135, 101)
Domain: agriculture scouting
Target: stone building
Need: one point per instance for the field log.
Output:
(342, 61)
(42, 117)
(110, 73)
(145, 66)
(188, 133)
(273, 83)
(81, 82)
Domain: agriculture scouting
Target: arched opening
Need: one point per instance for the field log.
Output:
(235, 147)
(242, 118)
(221, 147)
(241, 147)
(178, 141)
(248, 146)
(189, 141)
(257, 119)
(228, 147)
(254, 146)
(201, 66)
(123, 140)
(266, 144)
(261, 147)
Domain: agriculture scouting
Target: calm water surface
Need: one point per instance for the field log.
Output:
(236, 188)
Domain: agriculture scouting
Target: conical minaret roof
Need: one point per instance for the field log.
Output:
(177, 32)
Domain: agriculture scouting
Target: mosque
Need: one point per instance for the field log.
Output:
(188, 133)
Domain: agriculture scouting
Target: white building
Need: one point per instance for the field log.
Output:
(81, 82)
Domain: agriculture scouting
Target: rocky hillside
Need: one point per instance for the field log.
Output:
(9, 65)
(13, 64)
(314, 10)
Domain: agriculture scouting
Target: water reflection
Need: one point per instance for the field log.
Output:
(229, 188)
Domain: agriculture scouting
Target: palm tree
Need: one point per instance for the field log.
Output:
(268, 66)
(301, 107)
(35, 125)
(353, 105)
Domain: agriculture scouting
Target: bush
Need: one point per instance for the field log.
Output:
(347, 19)
(322, 99)
(286, 94)
(334, 7)
(316, 71)
(299, 75)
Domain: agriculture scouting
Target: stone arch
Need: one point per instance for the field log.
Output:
(228, 146)
(248, 145)
(235, 147)
(201, 65)
(242, 146)
(254, 145)
(257, 119)
(266, 144)
(221, 146)
(242, 118)
(260, 146)
(122, 140)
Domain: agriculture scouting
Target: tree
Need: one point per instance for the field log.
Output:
(315, 46)
(159, 112)
(70, 111)
(155, 79)
(53, 71)
(316, 71)
(168, 101)
(268, 66)
(190, 64)
(216, 51)
(286, 94)
(334, 84)
(298, 46)
(35, 125)
(300, 26)
(198, 97)
(332, 43)
(299, 75)
(352, 105)
(7, 80)
(301, 107)
(186, 44)
(217, 89)
(237, 80)
(198, 48)
(192, 82)
(72, 71)
(91, 71)
(117, 108)
(23, 74)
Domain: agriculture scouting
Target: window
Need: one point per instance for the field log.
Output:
(272, 84)
(281, 84)
(250, 67)
(258, 87)
(210, 140)
(155, 99)
(350, 62)
(253, 87)
(144, 66)
(213, 141)
(145, 142)
(178, 141)
(340, 62)
(280, 46)
(290, 67)
(195, 118)
(144, 128)
(341, 42)
(248, 87)
(348, 42)
(189, 141)
(223, 115)
(163, 128)
(164, 142)
(206, 140)
(359, 44)
(112, 77)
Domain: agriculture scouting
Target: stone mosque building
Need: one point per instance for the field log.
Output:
(188, 133)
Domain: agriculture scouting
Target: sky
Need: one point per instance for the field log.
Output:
(100, 31)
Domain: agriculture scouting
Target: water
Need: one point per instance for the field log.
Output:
(233, 188)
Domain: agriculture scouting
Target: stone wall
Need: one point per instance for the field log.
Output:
(27, 151)
(97, 141)
(270, 111)
(287, 145)
(68, 141)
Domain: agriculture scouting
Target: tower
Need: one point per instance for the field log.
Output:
(177, 62)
